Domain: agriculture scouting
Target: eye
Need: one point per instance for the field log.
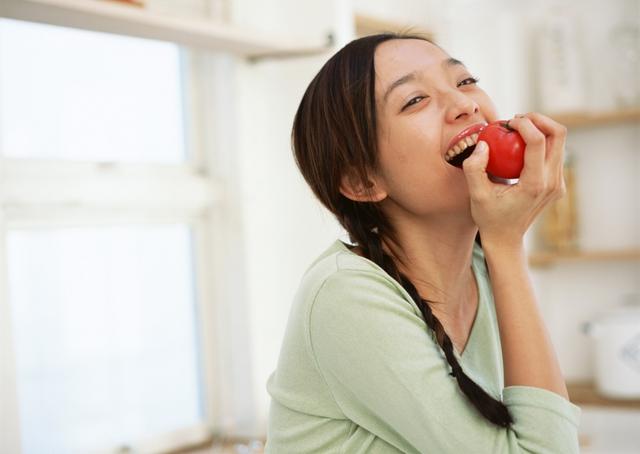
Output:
(412, 101)
(469, 81)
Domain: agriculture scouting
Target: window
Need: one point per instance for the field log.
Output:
(103, 322)
(105, 203)
(89, 96)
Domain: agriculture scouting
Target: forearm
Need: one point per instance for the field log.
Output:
(528, 354)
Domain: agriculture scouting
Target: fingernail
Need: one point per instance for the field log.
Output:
(481, 146)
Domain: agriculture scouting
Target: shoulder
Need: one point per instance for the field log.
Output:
(338, 257)
(358, 314)
(342, 283)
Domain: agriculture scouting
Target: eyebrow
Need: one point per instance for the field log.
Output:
(412, 76)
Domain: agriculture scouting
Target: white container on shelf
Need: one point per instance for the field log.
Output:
(624, 67)
(560, 75)
(617, 349)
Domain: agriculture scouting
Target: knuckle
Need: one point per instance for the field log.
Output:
(536, 138)
(562, 130)
(479, 197)
(562, 190)
(536, 190)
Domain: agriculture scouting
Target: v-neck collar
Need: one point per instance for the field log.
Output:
(480, 311)
(479, 317)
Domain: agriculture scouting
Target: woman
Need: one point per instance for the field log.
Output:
(416, 338)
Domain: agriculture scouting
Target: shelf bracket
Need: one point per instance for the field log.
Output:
(295, 53)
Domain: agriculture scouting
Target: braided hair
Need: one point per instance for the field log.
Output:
(334, 131)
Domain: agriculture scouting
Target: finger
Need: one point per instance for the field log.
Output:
(547, 125)
(556, 134)
(534, 155)
(562, 187)
(475, 172)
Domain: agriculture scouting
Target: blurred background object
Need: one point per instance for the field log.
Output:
(559, 220)
(139, 3)
(617, 343)
(559, 63)
(154, 227)
(624, 38)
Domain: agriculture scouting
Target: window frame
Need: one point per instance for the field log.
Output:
(46, 193)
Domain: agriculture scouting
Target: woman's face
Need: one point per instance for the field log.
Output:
(417, 118)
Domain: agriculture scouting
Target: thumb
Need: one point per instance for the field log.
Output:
(474, 168)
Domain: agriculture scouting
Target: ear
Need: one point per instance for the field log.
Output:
(353, 188)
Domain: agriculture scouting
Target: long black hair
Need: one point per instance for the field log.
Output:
(335, 129)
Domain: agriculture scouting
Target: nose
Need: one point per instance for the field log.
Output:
(461, 106)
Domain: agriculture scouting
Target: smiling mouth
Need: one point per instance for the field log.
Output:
(461, 150)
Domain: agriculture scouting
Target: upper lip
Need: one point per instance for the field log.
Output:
(468, 130)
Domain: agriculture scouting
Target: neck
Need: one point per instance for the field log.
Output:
(437, 260)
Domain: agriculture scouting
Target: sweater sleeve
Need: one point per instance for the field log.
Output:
(388, 375)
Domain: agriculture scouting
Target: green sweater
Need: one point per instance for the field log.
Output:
(359, 372)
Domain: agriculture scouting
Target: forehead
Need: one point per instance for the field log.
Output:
(397, 57)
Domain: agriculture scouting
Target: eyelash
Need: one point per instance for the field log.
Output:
(474, 80)
(470, 80)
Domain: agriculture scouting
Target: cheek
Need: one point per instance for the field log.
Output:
(487, 107)
(410, 141)
(410, 152)
(409, 160)
(415, 177)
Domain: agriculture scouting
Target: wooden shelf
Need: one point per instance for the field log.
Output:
(584, 119)
(543, 259)
(585, 393)
(123, 19)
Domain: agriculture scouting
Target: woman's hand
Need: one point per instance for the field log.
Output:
(503, 213)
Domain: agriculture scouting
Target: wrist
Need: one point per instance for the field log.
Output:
(512, 249)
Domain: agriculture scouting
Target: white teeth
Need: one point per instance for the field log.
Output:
(461, 146)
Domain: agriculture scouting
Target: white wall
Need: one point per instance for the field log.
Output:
(285, 228)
